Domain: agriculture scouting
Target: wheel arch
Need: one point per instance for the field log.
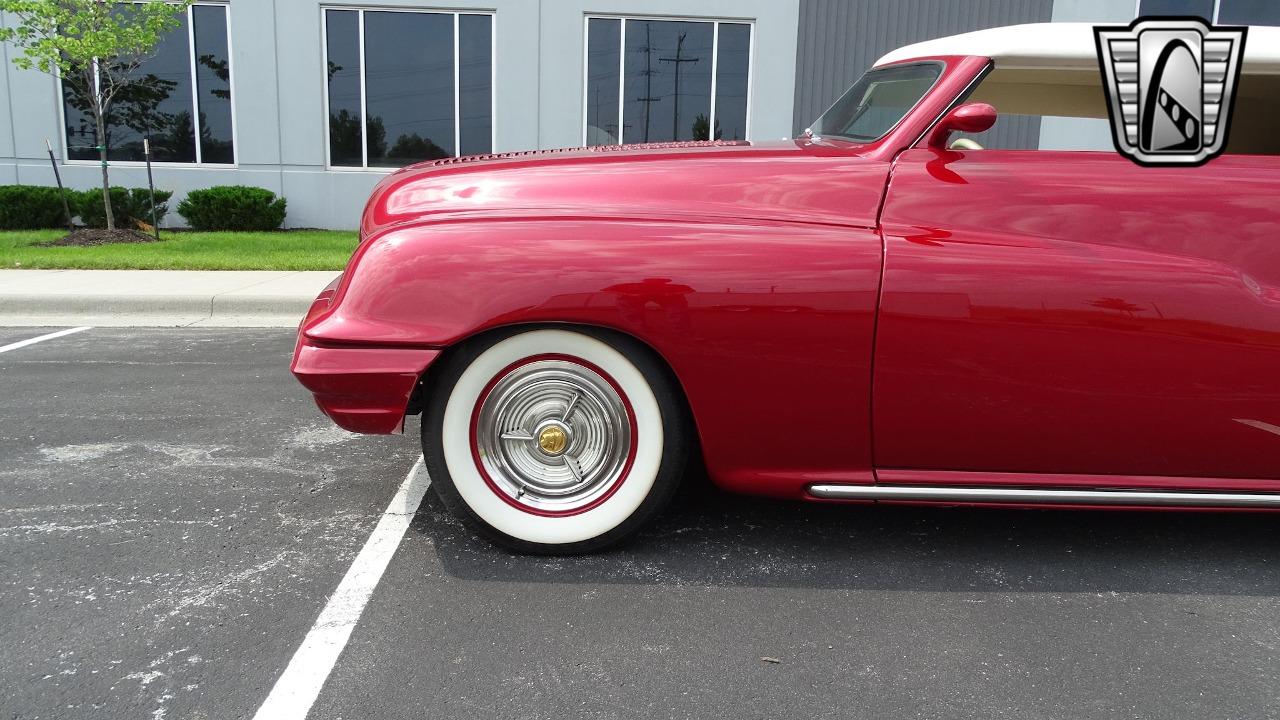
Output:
(764, 325)
(483, 336)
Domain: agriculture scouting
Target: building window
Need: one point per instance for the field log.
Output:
(1195, 8)
(179, 98)
(1248, 12)
(1222, 12)
(665, 80)
(407, 86)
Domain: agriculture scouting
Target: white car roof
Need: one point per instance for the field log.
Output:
(1063, 45)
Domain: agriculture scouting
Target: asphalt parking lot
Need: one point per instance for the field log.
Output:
(174, 515)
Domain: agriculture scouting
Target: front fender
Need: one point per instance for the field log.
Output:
(767, 326)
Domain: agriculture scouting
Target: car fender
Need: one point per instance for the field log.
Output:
(766, 325)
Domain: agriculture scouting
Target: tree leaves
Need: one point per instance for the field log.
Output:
(66, 35)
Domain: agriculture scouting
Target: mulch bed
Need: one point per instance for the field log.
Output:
(94, 236)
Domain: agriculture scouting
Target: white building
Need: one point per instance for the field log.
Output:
(318, 100)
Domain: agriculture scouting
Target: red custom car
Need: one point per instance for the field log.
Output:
(876, 311)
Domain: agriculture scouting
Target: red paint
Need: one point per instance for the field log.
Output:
(1033, 316)
(1071, 312)
(362, 389)
(484, 473)
(967, 118)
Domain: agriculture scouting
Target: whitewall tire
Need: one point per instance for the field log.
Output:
(553, 440)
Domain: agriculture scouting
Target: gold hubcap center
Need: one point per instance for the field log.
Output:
(552, 440)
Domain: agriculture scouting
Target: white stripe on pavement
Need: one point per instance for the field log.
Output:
(298, 687)
(42, 338)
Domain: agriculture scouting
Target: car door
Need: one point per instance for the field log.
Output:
(1053, 317)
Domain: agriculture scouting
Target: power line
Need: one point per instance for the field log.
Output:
(677, 61)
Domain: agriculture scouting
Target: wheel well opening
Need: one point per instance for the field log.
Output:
(469, 347)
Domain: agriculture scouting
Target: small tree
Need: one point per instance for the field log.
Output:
(95, 45)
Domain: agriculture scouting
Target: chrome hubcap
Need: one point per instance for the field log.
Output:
(553, 435)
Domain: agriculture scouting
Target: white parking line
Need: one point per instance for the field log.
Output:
(298, 687)
(42, 338)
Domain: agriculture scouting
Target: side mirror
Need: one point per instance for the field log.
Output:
(967, 118)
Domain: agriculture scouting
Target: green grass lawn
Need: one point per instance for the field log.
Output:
(295, 250)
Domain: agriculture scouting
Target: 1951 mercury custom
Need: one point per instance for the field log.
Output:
(876, 311)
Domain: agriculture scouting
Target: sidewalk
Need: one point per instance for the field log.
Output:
(157, 298)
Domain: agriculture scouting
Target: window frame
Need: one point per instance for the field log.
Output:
(364, 108)
(942, 68)
(195, 102)
(622, 63)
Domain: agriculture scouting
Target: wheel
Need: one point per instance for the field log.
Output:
(553, 441)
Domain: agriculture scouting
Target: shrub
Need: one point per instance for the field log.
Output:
(31, 207)
(130, 206)
(233, 207)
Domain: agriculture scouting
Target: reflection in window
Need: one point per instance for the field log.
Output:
(475, 83)
(342, 33)
(1229, 12)
(159, 101)
(408, 80)
(213, 83)
(402, 91)
(603, 64)
(668, 80)
(1248, 12)
(1197, 8)
(679, 80)
(731, 81)
(877, 102)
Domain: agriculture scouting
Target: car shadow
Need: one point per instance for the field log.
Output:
(710, 538)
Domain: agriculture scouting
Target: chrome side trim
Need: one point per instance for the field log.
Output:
(1043, 496)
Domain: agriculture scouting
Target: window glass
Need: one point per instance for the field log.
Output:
(1249, 12)
(154, 103)
(667, 80)
(1257, 105)
(1044, 109)
(408, 87)
(398, 97)
(732, 66)
(877, 102)
(1201, 8)
(213, 82)
(343, 34)
(158, 98)
(1066, 110)
(157, 103)
(603, 59)
(475, 82)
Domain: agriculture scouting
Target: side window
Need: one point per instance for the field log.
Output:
(1044, 109)
(1253, 119)
(1052, 109)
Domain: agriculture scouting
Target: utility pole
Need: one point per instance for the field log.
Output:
(648, 98)
(677, 60)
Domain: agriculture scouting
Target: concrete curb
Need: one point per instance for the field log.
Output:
(157, 298)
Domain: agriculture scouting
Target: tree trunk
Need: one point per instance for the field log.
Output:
(102, 155)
